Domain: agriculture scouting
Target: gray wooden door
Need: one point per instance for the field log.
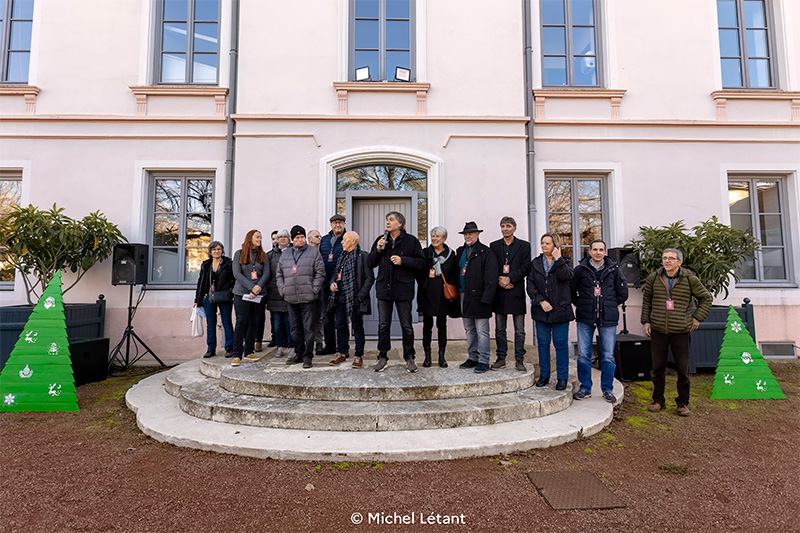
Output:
(369, 220)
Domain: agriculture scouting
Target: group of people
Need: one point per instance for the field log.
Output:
(317, 289)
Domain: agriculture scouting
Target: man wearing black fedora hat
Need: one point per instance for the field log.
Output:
(477, 283)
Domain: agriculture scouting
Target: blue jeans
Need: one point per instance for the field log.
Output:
(282, 329)
(501, 337)
(478, 346)
(608, 338)
(560, 335)
(225, 311)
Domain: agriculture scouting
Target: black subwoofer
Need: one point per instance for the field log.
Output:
(130, 264)
(89, 360)
(632, 355)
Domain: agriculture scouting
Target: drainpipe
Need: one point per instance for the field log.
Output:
(529, 111)
(227, 223)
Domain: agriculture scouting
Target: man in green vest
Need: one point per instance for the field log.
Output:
(669, 294)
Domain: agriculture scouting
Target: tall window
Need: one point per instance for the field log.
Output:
(182, 223)
(569, 43)
(188, 41)
(575, 212)
(16, 20)
(10, 195)
(382, 37)
(757, 205)
(744, 44)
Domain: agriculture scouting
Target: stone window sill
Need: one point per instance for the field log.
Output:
(28, 92)
(142, 93)
(614, 96)
(343, 88)
(721, 99)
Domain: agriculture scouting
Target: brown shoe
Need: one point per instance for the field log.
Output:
(258, 347)
(358, 362)
(655, 407)
(683, 410)
(340, 358)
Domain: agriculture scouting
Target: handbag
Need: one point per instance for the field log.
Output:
(218, 297)
(197, 322)
(450, 291)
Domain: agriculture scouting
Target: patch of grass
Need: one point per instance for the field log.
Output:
(588, 450)
(345, 466)
(674, 468)
(638, 422)
(642, 393)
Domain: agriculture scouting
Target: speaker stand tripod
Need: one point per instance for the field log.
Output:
(117, 361)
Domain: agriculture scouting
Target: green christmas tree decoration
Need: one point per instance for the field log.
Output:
(742, 373)
(38, 374)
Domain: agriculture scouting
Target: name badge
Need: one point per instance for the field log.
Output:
(339, 276)
(432, 273)
(253, 274)
(670, 305)
(294, 269)
(212, 288)
(506, 269)
(597, 291)
(464, 271)
(330, 257)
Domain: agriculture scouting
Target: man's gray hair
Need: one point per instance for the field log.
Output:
(283, 232)
(399, 217)
(508, 220)
(677, 252)
(440, 231)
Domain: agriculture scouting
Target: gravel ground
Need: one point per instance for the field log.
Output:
(731, 466)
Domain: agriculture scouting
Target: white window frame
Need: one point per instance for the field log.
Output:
(16, 176)
(744, 56)
(575, 177)
(569, 52)
(159, 52)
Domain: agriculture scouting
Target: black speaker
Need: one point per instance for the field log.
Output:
(628, 262)
(130, 264)
(89, 360)
(632, 355)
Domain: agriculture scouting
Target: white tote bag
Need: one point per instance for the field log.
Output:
(198, 324)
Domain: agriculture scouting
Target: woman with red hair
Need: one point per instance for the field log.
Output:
(251, 270)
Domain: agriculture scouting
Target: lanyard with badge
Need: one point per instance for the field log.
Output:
(506, 265)
(469, 254)
(253, 273)
(296, 259)
(670, 302)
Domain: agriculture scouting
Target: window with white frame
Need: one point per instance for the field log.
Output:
(575, 209)
(382, 37)
(187, 38)
(757, 205)
(16, 21)
(569, 43)
(10, 196)
(744, 44)
(181, 225)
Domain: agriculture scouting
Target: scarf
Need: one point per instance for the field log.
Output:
(346, 265)
(439, 260)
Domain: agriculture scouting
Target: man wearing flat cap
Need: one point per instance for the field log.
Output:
(477, 267)
(331, 248)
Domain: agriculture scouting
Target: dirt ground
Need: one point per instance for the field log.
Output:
(731, 466)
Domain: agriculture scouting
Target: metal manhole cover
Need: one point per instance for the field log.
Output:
(574, 490)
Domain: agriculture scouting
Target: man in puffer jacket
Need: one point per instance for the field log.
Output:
(668, 319)
(300, 275)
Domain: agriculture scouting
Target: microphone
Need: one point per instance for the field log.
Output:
(386, 236)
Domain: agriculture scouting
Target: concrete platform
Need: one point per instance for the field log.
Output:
(160, 416)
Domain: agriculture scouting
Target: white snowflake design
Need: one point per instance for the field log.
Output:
(9, 399)
(30, 337)
(761, 385)
(736, 327)
(55, 390)
(26, 372)
(729, 379)
(49, 302)
(747, 358)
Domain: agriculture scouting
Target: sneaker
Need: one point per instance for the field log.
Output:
(293, 360)
(582, 394)
(272, 344)
(500, 363)
(411, 366)
(307, 363)
(609, 397)
(520, 366)
(280, 351)
(209, 354)
(259, 347)
(252, 357)
(340, 358)
(381, 365)
(481, 368)
(228, 355)
(655, 407)
(236, 361)
(469, 363)
(358, 362)
(683, 410)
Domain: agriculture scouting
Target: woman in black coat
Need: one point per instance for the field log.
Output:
(216, 276)
(551, 308)
(440, 260)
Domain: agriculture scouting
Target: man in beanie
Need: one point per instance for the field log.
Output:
(331, 248)
(299, 277)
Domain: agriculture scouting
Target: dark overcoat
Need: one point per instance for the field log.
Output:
(480, 281)
(553, 288)
(225, 279)
(430, 294)
(512, 301)
(601, 310)
(396, 282)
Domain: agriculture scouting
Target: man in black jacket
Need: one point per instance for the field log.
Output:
(478, 268)
(598, 288)
(514, 262)
(330, 247)
(398, 256)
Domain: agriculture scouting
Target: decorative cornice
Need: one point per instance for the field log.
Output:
(243, 117)
(614, 96)
(721, 99)
(143, 92)
(28, 92)
(343, 88)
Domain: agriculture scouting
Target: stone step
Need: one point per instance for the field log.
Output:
(271, 377)
(207, 400)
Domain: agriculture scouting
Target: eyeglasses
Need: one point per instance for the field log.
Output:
(669, 258)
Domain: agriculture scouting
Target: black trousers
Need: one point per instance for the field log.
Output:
(427, 330)
(385, 326)
(328, 321)
(303, 318)
(659, 347)
(244, 335)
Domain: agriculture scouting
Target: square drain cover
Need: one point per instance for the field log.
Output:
(574, 490)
